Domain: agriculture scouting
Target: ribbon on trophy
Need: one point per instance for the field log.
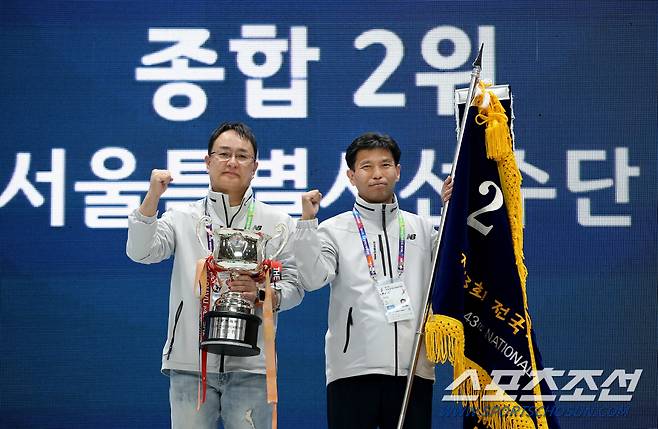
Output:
(272, 275)
(206, 274)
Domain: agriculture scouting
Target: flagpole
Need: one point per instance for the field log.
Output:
(475, 76)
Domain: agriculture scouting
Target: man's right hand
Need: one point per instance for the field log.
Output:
(310, 204)
(160, 180)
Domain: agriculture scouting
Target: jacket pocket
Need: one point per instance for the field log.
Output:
(348, 328)
(173, 332)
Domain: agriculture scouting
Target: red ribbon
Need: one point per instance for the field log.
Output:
(211, 268)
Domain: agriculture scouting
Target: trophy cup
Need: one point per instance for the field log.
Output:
(230, 325)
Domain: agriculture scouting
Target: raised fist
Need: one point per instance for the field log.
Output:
(310, 204)
(160, 180)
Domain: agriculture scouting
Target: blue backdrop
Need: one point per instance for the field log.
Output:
(96, 94)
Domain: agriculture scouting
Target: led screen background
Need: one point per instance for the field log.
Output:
(82, 326)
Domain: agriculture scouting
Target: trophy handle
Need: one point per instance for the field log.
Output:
(203, 221)
(281, 230)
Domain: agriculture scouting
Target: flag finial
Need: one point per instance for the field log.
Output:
(478, 61)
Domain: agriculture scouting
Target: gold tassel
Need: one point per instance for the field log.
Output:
(497, 137)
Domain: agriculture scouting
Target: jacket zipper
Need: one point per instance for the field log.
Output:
(350, 322)
(173, 333)
(390, 273)
(381, 252)
(388, 247)
(229, 223)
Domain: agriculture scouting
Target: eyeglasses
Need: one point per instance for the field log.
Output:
(241, 158)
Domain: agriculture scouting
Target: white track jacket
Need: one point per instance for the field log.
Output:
(152, 240)
(359, 339)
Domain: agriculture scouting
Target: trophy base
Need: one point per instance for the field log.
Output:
(230, 348)
(231, 334)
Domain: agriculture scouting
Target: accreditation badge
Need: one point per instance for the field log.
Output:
(395, 298)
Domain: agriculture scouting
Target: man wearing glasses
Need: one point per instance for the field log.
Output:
(236, 387)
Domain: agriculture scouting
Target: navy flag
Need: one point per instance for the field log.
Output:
(480, 321)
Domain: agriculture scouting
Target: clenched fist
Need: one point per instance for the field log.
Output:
(160, 180)
(311, 204)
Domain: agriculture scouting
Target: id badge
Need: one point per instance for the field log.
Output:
(395, 298)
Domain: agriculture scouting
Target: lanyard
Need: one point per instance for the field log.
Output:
(250, 214)
(366, 247)
(247, 225)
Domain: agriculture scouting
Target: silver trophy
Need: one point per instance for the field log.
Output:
(231, 326)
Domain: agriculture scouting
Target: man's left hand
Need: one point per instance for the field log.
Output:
(446, 190)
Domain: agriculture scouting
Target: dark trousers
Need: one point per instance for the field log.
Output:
(374, 401)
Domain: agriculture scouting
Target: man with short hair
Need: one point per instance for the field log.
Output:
(236, 387)
(378, 260)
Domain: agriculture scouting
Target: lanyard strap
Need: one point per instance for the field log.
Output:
(250, 214)
(366, 247)
(401, 243)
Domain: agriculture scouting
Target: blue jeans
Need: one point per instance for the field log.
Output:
(238, 398)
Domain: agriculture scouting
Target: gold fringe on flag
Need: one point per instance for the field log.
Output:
(444, 341)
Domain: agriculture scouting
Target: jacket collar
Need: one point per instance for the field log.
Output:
(217, 205)
(373, 211)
